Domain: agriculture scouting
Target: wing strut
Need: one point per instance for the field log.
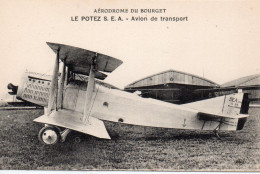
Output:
(60, 94)
(90, 89)
(54, 84)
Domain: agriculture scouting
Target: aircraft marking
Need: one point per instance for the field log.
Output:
(184, 124)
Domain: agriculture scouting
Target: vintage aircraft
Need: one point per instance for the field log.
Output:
(74, 103)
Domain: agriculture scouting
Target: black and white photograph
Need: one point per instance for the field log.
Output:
(127, 85)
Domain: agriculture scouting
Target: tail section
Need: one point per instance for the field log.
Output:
(228, 107)
(243, 110)
(233, 104)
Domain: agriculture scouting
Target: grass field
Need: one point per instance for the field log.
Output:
(131, 148)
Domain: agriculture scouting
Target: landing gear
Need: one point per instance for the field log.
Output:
(77, 139)
(216, 133)
(49, 135)
(64, 134)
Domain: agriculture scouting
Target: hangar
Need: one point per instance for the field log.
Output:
(181, 87)
(249, 84)
(174, 87)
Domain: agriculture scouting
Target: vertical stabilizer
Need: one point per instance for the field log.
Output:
(232, 104)
(228, 105)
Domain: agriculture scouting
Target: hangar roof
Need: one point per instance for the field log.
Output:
(252, 80)
(172, 76)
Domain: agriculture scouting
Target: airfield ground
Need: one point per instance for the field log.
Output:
(131, 148)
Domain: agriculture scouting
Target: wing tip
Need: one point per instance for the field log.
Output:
(50, 44)
(53, 46)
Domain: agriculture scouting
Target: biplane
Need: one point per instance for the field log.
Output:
(76, 100)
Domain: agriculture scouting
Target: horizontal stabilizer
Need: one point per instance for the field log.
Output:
(79, 59)
(72, 120)
(211, 116)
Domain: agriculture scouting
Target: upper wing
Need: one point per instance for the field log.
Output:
(79, 60)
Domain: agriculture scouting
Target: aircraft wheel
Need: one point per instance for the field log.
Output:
(77, 139)
(49, 135)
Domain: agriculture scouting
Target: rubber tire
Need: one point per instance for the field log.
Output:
(56, 130)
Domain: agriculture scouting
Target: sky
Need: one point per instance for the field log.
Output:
(220, 39)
